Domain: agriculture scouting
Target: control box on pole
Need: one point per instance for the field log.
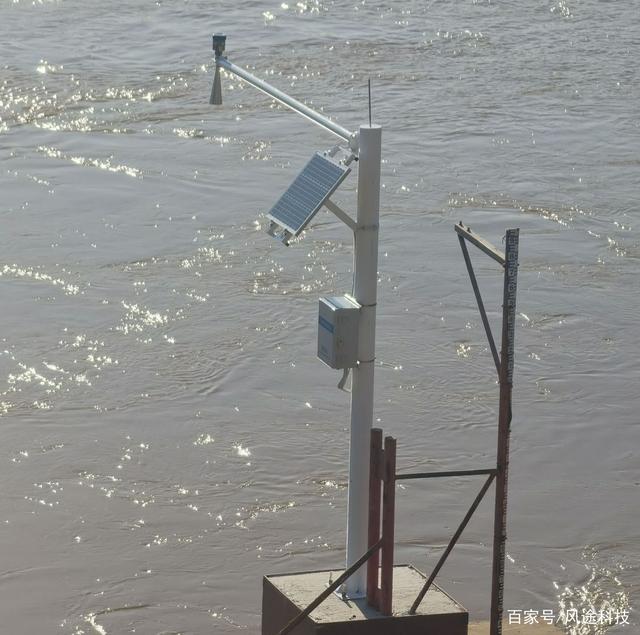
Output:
(338, 331)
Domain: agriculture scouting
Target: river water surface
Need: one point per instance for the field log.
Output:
(168, 436)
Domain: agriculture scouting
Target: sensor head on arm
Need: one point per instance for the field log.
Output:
(219, 41)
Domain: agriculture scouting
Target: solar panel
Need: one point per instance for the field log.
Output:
(305, 196)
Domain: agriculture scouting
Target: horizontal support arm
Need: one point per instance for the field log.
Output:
(480, 243)
(290, 102)
(404, 477)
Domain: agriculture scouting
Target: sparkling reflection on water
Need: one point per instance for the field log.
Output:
(169, 436)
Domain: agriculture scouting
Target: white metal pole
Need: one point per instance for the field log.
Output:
(365, 291)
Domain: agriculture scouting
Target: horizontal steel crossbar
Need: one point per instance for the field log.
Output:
(415, 475)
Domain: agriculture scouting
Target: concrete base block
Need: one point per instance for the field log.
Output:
(284, 596)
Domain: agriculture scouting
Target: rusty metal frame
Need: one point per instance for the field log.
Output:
(452, 544)
(504, 363)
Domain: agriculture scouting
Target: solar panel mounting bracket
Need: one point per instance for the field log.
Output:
(280, 233)
(341, 214)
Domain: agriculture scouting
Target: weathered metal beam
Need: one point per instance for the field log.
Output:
(373, 564)
(415, 475)
(388, 525)
(480, 243)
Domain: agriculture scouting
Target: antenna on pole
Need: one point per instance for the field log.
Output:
(369, 102)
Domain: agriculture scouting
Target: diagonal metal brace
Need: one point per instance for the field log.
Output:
(330, 589)
(476, 291)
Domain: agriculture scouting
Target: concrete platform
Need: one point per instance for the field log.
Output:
(284, 596)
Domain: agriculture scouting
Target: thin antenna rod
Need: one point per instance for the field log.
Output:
(369, 101)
